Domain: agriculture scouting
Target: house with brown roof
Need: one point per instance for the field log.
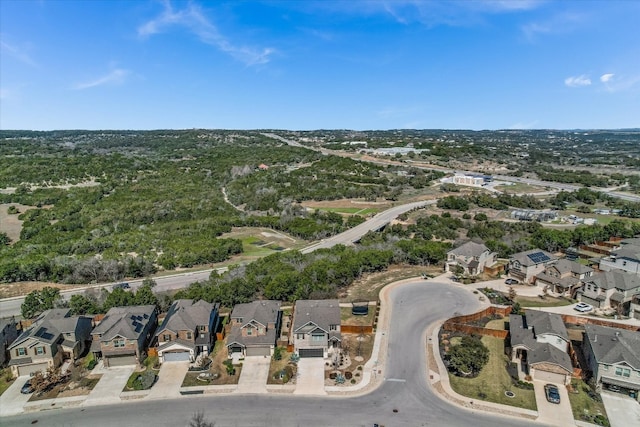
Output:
(187, 331)
(472, 257)
(255, 327)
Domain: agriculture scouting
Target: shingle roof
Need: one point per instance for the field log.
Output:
(615, 279)
(613, 345)
(469, 249)
(547, 323)
(185, 315)
(630, 252)
(49, 325)
(263, 312)
(321, 312)
(567, 266)
(127, 322)
(533, 257)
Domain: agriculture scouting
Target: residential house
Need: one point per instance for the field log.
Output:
(613, 356)
(564, 277)
(611, 289)
(634, 307)
(54, 336)
(539, 344)
(8, 334)
(188, 330)
(525, 266)
(472, 257)
(625, 258)
(124, 334)
(316, 327)
(255, 328)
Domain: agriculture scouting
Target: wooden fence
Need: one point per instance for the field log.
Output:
(577, 320)
(462, 323)
(355, 329)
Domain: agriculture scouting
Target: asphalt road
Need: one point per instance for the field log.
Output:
(414, 307)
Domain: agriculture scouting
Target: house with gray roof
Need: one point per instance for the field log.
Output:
(613, 289)
(613, 356)
(564, 277)
(625, 258)
(187, 331)
(525, 266)
(472, 257)
(539, 345)
(255, 327)
(55, 335)
(8, 334)
(123, 335)
(316, 328)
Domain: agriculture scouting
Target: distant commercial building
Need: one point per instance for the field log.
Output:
(534, 215)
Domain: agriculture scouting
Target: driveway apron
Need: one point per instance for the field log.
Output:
(553, 413)
(110, 385)
(12, 401)
(169, 380)
(622, 410)
(310, 378)
(254, 374)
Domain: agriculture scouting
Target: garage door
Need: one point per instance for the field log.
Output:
(551, 377)
(32, 369)
(258, 351)
(121, 360)
(176, 356)
(311, 352)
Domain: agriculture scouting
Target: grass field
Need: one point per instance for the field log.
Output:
(584, 407)
(347, 318)
(539, 302)
(494, 380)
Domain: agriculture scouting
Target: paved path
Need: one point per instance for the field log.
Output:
(254, 375)
(108, 389)
(622, 411)
(553, 413)
(169, 380)
(310, 379)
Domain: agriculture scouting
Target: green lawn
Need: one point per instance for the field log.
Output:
(584, 407)
(494, 380)
(539, 302)
(347, 318)
(6, 380)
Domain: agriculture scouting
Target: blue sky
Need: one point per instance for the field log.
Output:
(305, 65)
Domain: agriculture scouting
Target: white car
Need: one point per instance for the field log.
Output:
(583, 307)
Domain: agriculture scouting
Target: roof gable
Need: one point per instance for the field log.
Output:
(126, 322)
(614, 345)
(323, 313)
(186, 315)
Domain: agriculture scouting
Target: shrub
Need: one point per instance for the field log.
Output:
(277, 353)
(145, 380)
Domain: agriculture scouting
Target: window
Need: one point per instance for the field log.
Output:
(605, 367)
(299, 336)
(249, 330)
(21, 351)
(317, 337)
(626, 373)
(119, 342)
(624, 262)
(189, 335)
(40, 350)
(166, 337)
(202, 328)
(333, 327)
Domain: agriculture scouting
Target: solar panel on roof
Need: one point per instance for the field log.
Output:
(538, 257)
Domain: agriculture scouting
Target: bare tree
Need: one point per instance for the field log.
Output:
(198, 420)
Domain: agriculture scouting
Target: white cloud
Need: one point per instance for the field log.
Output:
(558, 24)
(577, 81)
(606, 77)
(193, 19)
(115, 77)
(16, 52)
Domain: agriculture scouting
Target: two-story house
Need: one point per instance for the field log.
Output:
(255, 327)
(611, 289)
(123, 335)
(54, 336)
(525, 266)
(564, 277)
(316, 328)
(188, 330)
(540, 344)
(625, 258)
(613, 356)
(472, 257)
(8, 334)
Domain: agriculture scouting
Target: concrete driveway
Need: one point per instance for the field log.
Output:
(553, 413)
(12, 401)
(169, 380)
(254, 374)
(310, 376)
(108, 389)
(622, 410)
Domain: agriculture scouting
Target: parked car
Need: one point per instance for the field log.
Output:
(511, 282)
(123, 285)
(552, 393)
(27, 388)
(583, 307)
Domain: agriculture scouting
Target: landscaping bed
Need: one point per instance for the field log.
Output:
(586, 404)
(282, 371)
(218, 372)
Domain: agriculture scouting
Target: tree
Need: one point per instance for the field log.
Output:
(198, 420)
(4, 239)
(469, 357)
(40, 300)
(80, 304)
